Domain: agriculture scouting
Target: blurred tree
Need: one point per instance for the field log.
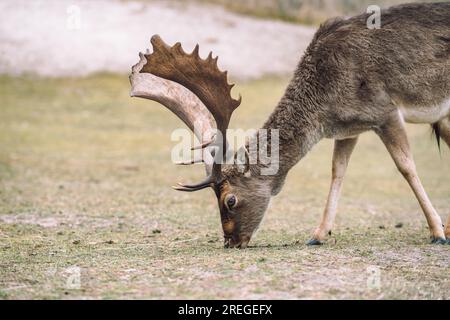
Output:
(303, 11)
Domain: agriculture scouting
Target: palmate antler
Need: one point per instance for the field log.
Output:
(189, 86)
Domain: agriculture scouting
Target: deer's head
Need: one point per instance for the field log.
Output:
(199, 94)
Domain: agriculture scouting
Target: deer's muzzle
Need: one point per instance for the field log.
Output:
(239, 242)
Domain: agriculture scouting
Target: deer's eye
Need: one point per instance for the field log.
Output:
(230, 201)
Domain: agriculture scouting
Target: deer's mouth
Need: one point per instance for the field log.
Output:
(239, 242)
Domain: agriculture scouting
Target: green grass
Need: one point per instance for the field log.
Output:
(85, 177)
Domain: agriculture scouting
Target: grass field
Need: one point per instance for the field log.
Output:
(85, 177)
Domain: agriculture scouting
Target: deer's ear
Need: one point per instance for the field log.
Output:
(242, 159)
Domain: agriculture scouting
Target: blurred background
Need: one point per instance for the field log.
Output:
(310, 12)
(85, 171)
(73, 38)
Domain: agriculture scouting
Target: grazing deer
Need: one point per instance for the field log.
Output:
(351, 79)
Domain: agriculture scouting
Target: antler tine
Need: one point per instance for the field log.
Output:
(195, 51)
(202, 77)
(190, 190)
(205, 144)
(192, 161)
(208, 182)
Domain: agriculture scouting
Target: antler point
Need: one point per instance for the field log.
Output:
(195, 51)
(155, 38)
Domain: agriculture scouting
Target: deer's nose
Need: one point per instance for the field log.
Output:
(236, 242)
(226, 243)
(229, 242)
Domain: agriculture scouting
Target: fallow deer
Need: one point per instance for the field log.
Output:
(350, 80)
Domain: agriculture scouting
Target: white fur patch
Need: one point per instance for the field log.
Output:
(425, 114)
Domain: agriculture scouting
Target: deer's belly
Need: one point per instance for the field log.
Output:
(425, 114)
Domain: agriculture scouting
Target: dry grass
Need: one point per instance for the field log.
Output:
(85, 181)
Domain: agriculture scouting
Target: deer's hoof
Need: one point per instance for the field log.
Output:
(439, 241)
(314, 242)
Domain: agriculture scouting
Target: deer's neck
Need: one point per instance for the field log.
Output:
(297, 120)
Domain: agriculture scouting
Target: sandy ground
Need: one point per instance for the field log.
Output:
(73, 38)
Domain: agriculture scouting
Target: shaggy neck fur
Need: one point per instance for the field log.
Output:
(298, 119)
(296, 138)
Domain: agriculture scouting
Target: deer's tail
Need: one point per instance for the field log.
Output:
(436, 131)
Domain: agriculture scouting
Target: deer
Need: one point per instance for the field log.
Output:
(351, 79)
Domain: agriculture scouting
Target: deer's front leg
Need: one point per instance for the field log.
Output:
(393, 135)
(341, 156)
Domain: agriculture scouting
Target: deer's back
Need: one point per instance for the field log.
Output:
(365, 73)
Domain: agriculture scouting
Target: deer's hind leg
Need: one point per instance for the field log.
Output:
(341, 156)
(444, 129)
(393, 135)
